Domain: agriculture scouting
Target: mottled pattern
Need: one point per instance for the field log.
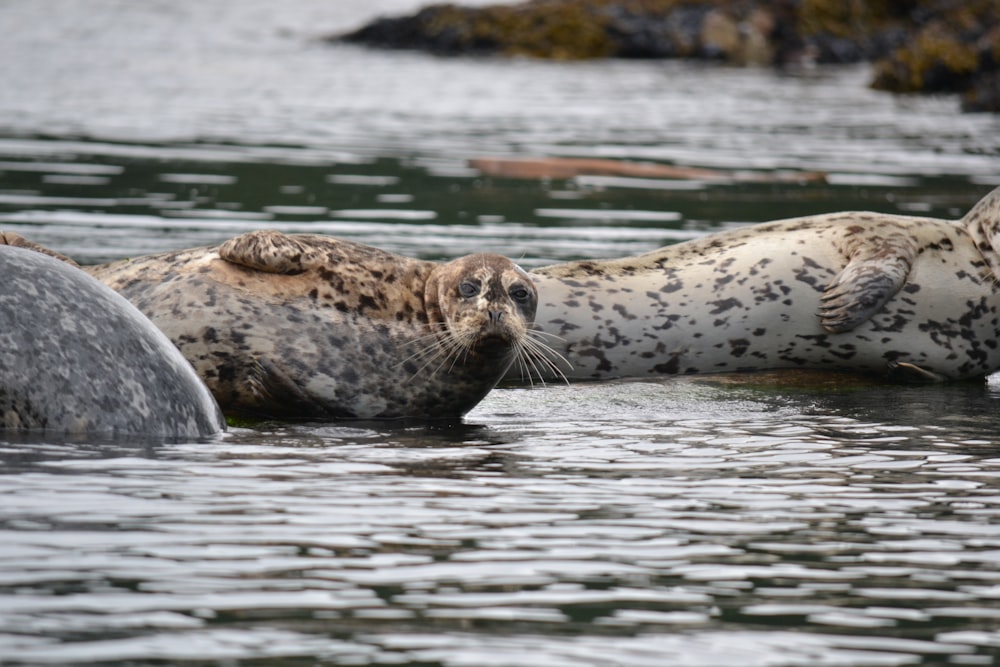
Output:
(311, 327)
(77, 359)
(905, 297)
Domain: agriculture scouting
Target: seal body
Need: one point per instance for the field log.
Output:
(312, 327)
(76, 359)
(905, 297)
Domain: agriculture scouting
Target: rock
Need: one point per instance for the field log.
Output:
(984, 95)
(937, 61)
(720, 36)
(555, 30)
(917, 46)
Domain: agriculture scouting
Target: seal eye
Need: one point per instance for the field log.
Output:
(520, 293)
(468, 289)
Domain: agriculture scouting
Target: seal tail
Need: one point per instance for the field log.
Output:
(17, 241)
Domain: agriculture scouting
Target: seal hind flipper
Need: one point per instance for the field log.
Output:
(15, 240)
(903, 371)
(346, 262)
(873, 275)
(269, 251)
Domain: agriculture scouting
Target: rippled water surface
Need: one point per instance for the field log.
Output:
(713, 521)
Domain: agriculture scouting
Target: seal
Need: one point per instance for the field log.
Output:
(78, 360)
(906, 298)
(312, 327)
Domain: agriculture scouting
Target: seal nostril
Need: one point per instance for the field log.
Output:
(495, 316)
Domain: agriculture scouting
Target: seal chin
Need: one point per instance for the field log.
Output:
(494, 344)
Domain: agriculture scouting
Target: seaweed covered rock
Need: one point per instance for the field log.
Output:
(557, 30)
(744, 32)
(958, 52)
(574, 29)
(950, 46)
(984, 95)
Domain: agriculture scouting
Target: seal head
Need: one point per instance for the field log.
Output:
(479, 305)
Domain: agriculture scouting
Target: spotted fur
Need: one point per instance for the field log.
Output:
(906, 297)
(311, 327)
(77, 360)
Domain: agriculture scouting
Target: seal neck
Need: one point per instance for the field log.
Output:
(432, 299)
(982, 222)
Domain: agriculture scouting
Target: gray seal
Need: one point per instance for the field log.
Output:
(906, 298)
(78, 360)
(312, 327)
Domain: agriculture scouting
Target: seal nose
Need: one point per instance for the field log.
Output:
(495, 316)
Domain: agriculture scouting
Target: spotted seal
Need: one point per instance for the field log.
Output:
(312, 327)
(76, 359)
(909, 298)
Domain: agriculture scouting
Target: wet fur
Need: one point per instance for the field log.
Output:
(77, 360)
(311, 327)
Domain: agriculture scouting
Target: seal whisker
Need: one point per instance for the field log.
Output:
(528, 363)
(548, 353)
(539, 333)
(522, 367)
(426, 345)
(429, 351)
(439, 346)
(458, 351)
(441, 350)
(540, 357)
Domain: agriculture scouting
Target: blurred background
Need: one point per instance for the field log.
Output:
(132, 127)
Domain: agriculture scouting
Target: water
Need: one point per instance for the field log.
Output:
(682, 522)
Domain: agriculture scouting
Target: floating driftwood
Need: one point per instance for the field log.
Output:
(571, 167)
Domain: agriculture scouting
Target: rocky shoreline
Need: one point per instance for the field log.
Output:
(916, 46)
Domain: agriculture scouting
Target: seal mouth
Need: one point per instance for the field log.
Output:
(496, 330)
(493, 338)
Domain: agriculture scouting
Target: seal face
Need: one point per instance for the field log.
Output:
(312, 327)
(76, 359)
(914, 299)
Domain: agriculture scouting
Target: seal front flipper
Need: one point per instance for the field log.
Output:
(270, 386)
(877, 269)
(858, 292)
